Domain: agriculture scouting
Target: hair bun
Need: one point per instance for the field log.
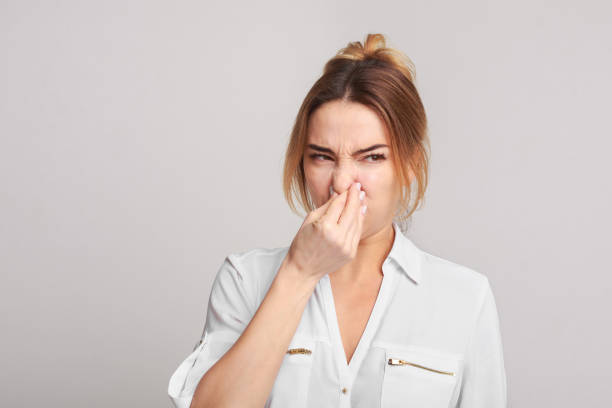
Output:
(375, 48)
(373, 43)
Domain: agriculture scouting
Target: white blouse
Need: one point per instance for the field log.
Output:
(432, 340)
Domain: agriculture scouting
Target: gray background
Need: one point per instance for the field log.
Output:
(142, 141)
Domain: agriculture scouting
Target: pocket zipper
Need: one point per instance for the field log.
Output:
(299, 350)
(396, 361)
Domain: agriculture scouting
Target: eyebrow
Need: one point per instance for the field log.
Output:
(355, 153)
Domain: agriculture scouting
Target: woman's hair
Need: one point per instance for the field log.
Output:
(382, 79)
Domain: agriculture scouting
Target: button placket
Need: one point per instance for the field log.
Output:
(346, 379)
(348, 372)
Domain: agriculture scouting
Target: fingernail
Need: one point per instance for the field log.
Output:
(358, 185)
(361, 195)
(363, 209)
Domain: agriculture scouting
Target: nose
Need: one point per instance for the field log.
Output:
(340, 185)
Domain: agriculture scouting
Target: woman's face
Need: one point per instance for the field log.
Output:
(348, 142)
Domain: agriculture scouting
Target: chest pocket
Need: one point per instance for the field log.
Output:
(292, 382)
(415, 377)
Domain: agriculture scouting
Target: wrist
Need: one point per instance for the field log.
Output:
(290, 274)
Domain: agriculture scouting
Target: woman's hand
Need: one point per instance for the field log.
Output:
(327, 239)
(329, 235)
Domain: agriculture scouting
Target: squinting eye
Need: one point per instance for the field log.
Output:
(376, 157)
(380, 157)
(314, 156)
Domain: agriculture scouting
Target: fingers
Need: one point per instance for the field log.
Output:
(336, 207)
(350, 213)
(355, 218)
(357, 228)
(318, 212)
(342, 212)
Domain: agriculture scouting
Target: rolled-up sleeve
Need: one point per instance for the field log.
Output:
(229, 312)
(484, 377)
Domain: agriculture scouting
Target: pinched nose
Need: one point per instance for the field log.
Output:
(331, 191)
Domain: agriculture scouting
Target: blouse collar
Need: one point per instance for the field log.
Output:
(406, 255)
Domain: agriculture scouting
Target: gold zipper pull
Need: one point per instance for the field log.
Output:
(397, 361)
(299, 350)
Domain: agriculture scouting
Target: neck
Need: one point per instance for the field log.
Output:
(371, 253)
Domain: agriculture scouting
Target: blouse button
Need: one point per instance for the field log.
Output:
(344, 390)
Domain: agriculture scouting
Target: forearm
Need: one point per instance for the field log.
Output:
(244, 376)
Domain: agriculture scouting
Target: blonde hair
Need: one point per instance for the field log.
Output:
(382, 79)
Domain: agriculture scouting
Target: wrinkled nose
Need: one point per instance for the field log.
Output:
(344, 175)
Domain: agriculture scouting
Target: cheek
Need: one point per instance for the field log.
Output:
(317, 182)
(377, 184)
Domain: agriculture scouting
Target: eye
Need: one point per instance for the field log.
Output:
(314, 156)
(377, 156)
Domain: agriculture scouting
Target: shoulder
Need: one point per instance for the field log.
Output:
(459, 294)
(257, 261)
(254, 268)
(247, 275)
(439, 268)
(457, 282)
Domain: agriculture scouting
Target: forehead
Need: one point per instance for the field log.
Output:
(342, 123)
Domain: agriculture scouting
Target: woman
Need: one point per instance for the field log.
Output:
(352, 313)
